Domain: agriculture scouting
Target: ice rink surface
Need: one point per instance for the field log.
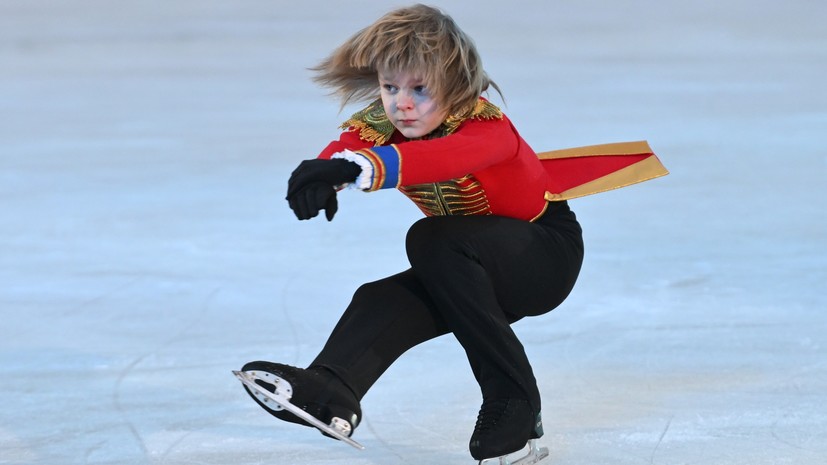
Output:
(146, 249)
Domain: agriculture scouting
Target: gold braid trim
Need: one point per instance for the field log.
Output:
(483, 109)
(372, 123)
(374, 126)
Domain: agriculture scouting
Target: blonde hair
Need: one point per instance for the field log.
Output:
(418, 39)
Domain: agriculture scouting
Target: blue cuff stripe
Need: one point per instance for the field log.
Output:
(392, 160)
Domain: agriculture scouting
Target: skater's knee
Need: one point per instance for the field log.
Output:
(427, 237)
(422, 231)
(371, 294)
(435, 242)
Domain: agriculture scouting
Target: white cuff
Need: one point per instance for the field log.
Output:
(363, 181)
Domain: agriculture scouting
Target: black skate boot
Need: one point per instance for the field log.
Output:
(504, 426)
(314, 390)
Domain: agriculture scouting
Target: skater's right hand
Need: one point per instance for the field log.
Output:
(334, 172)
(308, 200)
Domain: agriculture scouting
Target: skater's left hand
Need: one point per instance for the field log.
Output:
(307, 201)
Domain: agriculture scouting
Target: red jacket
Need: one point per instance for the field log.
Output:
(482, 166)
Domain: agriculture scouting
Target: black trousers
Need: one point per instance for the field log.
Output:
(471, 276)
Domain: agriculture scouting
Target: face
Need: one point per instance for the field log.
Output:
(408, 104)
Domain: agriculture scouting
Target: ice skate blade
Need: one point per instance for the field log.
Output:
(281, 388)
(534, 455)
(250, 381)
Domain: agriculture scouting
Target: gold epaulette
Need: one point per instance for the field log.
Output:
(372, 123)
(483, 109)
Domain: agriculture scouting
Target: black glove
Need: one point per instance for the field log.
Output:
(333, 172)
(313, 197)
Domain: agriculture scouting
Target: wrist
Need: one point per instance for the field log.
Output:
(359, 165)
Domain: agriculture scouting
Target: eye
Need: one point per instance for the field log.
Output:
(390, 88)
(421, 90)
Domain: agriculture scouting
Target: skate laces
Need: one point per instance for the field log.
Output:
(491, 412)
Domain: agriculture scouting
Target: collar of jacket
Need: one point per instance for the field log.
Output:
(374, 126)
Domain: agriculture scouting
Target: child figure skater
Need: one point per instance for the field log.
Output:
(491, 249)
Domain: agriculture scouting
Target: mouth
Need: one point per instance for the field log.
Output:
(406, 122)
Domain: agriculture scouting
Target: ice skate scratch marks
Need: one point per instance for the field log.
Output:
(75, 309)
(660, 439)
(366, 423)
(116, 397)
(173, 446)
(116, 392)
(291, 326)
(92, 450)
(101, 297)
(800, 440)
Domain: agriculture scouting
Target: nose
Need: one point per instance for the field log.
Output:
(404, 101)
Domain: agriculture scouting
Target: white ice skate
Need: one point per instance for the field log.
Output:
(534, 455)
(281, 399)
